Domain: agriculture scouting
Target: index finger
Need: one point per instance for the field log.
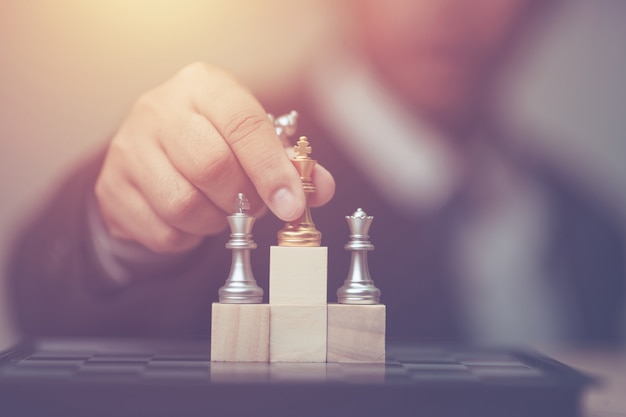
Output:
(246, 128)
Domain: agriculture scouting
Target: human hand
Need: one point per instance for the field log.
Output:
(183, 153)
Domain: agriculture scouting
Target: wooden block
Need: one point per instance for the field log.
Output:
(297, 333)
(298, 275)
(240, 332)
(356, 333)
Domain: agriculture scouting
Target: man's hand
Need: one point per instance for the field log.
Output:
(184, 152)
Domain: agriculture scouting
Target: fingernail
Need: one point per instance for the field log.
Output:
(285, 204)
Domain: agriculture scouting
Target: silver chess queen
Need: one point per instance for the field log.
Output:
(359, 287)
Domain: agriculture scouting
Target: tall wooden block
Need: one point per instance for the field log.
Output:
(356, 333)
(240, 332)
(298, 333)
(298, 275)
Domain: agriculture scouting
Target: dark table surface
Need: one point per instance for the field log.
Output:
(607, 398)
(152, 377)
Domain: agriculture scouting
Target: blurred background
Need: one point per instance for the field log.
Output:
(70, 69)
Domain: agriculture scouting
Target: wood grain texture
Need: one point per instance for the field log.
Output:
(240, 332)
(356, 333)
(298, 333)
(298, 275)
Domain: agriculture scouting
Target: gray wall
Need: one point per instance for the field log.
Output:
(573, 88)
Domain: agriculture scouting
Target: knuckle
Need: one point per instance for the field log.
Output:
(194, 69)
(105, 191)
(243, 127)
(119, 148)
(100, 191)
(167, 240)
(182, 205)
(109, 221)
(218, 225)
(199, 72)
(108, 210)
(116, 231)
(147, 104)
(209, 168)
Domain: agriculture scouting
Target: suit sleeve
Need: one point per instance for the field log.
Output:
(59, 286)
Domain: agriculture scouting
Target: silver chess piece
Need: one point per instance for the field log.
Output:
(285, 126)
(359, 288)
(240, 286)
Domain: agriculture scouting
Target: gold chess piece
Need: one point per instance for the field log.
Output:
(302, 232)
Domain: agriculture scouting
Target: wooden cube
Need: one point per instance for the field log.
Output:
(240, 332)
(298, 275)
(356, 333)
(297, 333)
